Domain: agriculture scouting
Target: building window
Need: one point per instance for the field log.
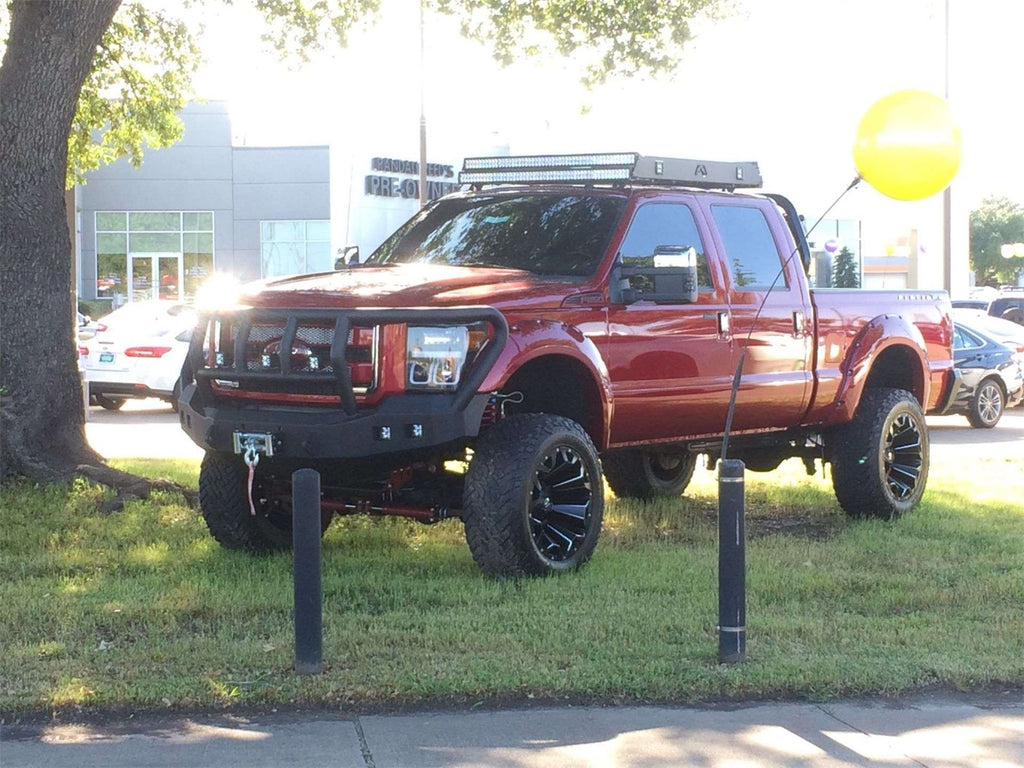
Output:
(152, 254)
(295, 247)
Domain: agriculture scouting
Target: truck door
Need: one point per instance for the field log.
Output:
(770, 310)
(670, 363)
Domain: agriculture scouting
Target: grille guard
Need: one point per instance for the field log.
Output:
(343, 320)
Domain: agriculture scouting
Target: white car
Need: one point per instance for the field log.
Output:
(137, 352)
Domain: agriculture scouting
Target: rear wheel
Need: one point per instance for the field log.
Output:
(224, 502)
(987, 405)
(110, 403)
(880, 458)
(648, 474)
(534, 497)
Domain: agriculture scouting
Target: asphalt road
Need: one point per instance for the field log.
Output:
(149, 429)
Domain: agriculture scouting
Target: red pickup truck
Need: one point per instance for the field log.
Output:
(567, 320)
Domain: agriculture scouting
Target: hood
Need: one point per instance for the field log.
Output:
(408, 285)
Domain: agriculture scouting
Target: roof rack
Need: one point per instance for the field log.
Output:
(609, 167)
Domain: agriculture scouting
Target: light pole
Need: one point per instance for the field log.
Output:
(947, 195)
(423, 118)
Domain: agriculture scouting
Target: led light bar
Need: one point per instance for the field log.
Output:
(605, 160)
(609, 167)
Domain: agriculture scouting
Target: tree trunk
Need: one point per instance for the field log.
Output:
(49, 54)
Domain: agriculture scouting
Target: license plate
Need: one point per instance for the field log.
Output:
(106, 357)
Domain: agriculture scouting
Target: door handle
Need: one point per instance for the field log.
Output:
(723, 324)
(799, 323)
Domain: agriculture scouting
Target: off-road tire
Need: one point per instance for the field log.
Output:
(987, 405)
(109, 403)
(648, 474)
(224, 503)
(880, 458)
(534, 497)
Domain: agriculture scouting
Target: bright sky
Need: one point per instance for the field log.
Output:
(784, 82)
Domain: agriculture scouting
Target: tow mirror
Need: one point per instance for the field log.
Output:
(669, 276)
(347, 256)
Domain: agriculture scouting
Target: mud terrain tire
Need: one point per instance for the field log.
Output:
(224, 502)
(534, 497)
(880, 458)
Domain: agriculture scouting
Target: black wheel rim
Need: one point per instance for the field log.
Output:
(904, 456)
(990, 403)
(560, 504)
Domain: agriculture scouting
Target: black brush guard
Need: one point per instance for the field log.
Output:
(403, 421)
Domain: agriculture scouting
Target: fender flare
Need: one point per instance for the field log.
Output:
(536, 338)
(882, 333)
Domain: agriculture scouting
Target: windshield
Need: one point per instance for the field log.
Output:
(547, 234)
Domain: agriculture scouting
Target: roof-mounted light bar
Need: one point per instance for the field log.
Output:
(609, 167)
(523, 169)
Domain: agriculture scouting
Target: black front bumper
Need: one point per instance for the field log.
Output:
(409, 421)
(400, 423)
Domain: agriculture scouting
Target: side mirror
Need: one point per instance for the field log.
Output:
(675, 272)
(347, 256)
(669, 276)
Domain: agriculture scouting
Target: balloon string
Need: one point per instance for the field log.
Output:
(738, 375)
(856, 180)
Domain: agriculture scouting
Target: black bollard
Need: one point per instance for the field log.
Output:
(732, 597)
(306, 572)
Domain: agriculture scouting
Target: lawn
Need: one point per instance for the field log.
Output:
(142, 609)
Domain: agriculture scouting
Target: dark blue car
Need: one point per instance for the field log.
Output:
(992, 377)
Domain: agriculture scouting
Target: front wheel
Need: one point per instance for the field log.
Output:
(648, 474)
(880, 458)
(224, 502)
(110, 403)
(986, 405)
(534, 497)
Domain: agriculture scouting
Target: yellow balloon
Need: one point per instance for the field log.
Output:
(908, 146)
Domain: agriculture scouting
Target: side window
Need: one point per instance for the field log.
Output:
(964, 340)
(663, 224)
(749, 246)
(959, 342)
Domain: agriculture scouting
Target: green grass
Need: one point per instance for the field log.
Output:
(142, 609)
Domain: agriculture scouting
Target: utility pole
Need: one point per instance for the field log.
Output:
(423, 118)
(947, 194)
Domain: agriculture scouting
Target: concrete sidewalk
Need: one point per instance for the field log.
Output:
(961, 732)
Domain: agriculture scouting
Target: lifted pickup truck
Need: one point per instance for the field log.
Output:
(564, 321)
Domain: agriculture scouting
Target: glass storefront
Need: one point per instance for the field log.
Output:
(295, 247)
(152, 254)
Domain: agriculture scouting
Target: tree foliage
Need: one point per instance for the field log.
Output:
(141, 78)
(998, 222)
(604, 36)
(845, 272)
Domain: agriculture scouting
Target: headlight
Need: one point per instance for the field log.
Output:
(435, 355)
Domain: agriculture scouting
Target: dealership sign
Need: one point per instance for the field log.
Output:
(379, 185)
